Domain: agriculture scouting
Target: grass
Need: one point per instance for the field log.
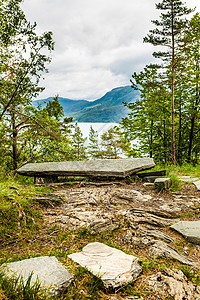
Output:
(18, 289)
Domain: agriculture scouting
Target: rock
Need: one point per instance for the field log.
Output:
(48, 270)
(189, 229)
(162, 183)
(173, 283)
(139, 216)
(187, 178)
(106, 167)
(151, 179)
(114, 267)
(197, 184)
(158, 235)
(161, 249)
(148, 184)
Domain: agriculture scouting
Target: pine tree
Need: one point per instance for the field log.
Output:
(79, 150)
(167, 33)
(93, 147)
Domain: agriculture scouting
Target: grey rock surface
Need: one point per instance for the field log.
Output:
(161, 249)
(51, 274)
(163, 183)
(189, 229)
(197, 184)
(114, 267)
(106, 167)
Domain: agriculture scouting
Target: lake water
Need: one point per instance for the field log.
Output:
(99, 127)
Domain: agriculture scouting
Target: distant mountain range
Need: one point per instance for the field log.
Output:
(107, 109)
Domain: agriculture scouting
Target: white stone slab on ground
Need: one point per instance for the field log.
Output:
(104, 167)
(114, 267)
(189, 229)
(51, 274)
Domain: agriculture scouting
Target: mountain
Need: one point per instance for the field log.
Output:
(108, 108)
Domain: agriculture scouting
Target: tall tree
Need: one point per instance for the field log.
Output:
(93, 146)
(148, 121)
(114, 144)
(22, 56)
(167, 33)
(78, 144)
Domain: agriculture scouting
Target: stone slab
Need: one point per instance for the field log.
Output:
(189, 229)
(114, 267)
(187, 179)
(51, 274)
(197, 184)
(106, 167)
(163, 182)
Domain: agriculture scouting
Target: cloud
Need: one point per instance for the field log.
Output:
(98, 43)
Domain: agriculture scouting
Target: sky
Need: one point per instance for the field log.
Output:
(98, 43)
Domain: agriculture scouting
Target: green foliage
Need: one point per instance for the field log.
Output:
(114, 144)
(169, 92)
(191, 274)
(78, 148)
(93, 146)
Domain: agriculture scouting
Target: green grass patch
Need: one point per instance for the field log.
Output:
(18, 289)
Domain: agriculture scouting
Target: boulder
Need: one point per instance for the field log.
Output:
(162, 183)
(105, 167)
(114, 267)
(50, 273)
(189, 229)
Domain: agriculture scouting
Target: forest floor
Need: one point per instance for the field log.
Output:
(121, 214)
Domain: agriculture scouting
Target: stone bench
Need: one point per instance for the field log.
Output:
(92, 168)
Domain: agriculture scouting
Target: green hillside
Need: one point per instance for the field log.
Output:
(108, 108)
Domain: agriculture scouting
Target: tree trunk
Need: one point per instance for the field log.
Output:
(14, 141)
(193, 119)
(172, 92)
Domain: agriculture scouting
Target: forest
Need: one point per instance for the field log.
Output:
(162, 123)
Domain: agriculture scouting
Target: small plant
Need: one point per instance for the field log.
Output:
(17, 289)
(192, 275)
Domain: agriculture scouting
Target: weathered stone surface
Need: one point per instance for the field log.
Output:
(96, 209)
(163, 183)
(140, 216)
(189, 229)
(106, 167)
(148, 185)
(47, 269)
(197, 184)
(161, 249)
(173, 283)
(113, 266)
(187, 178)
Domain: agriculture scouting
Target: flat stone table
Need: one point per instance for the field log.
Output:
(95, 168)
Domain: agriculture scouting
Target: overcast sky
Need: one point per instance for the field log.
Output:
(99, 43)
